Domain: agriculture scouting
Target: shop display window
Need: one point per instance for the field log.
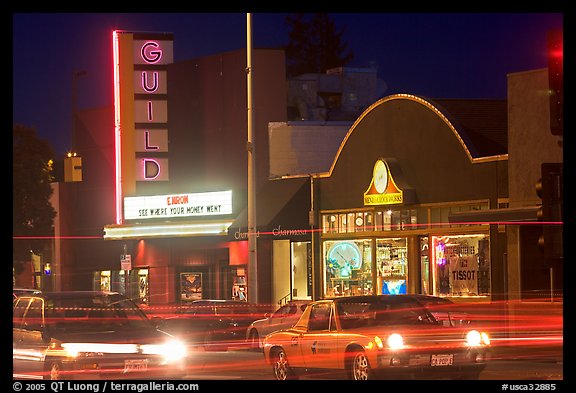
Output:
(133, 283)
(301, 266)
(392, 264)
(461, 265)
(368, 221)
(347, 268)
(330, 223)
(425, 265)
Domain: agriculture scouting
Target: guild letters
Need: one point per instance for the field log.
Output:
(151, 108)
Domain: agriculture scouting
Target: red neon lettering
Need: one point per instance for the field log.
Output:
(151, 169)
(149, 55)
(148, 145)
(154, 86)
(150, 115)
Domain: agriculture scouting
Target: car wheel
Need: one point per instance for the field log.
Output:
(53, 370)
(359, 367)
(254, 341)
(282, 370)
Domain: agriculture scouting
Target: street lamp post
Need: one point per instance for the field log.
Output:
(250, 147)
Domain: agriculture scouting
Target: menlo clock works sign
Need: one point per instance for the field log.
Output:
(383, 189)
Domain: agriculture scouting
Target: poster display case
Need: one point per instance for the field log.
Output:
(190, 286)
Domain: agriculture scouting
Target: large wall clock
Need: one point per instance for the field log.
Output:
(380, 175)
(346, 253)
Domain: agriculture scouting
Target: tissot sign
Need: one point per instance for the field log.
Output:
(178, 205)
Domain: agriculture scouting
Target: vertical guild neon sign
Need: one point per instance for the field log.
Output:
(151, 55)
(140, 110)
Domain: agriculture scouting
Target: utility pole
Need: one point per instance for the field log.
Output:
(250, 147)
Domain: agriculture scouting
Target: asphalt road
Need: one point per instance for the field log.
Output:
(242, 364)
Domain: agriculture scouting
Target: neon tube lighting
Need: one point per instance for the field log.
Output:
(167, 229)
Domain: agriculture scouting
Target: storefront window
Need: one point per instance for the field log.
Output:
(347, 267)
(461, 265)
(343, 223)
(301, 270)
(330, 223)
(392, 263)
(362, 221)
(425, 265)
(135, 284)
(105, 280)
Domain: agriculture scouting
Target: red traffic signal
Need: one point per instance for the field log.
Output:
(556, 81)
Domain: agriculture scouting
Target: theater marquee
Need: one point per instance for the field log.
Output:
(178, 205)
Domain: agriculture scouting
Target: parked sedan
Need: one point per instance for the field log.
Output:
(364, 337)
(214, 324)
(284, 317)
(90, 335)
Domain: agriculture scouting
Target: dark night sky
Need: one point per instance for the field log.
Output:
(451, 55)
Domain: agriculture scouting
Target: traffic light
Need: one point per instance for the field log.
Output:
(556, 81)
(550, 190)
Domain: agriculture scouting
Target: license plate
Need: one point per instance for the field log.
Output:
(442, 360)
(131, 365)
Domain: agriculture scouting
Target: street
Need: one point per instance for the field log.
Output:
(242, 364)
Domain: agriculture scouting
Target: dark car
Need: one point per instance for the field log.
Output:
(90, 335)
(214, 324)
(284, 317)
(363, 337)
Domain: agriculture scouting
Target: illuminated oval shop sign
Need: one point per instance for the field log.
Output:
(178, 205)
(382, 190)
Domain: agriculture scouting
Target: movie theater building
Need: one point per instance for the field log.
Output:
(178, 175)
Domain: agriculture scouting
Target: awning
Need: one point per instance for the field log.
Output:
(167, 229)
(280, 204)
(495, 216)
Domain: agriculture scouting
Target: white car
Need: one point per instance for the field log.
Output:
(283, 318)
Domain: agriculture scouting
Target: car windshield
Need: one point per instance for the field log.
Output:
(94, 313)
(382, 312)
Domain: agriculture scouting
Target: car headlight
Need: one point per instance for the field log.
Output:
(86, 349)
(395, 341)
(172, 350)
(475, 339)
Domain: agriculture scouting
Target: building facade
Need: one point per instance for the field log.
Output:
(400, 199)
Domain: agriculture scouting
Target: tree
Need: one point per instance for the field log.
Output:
(315, 45)
(33, 214)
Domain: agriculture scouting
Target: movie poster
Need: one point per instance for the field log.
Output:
(190, 286)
